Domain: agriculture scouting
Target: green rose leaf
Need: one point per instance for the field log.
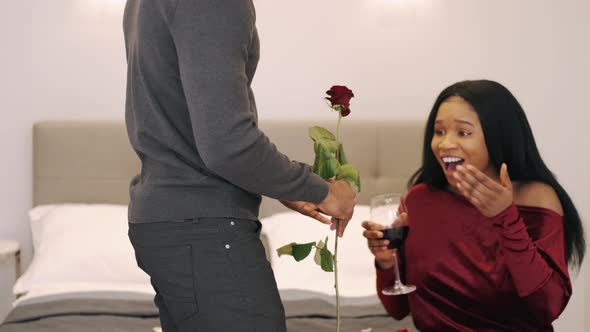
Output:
(321, 244)
(341, 155)
(286, 249)
(316, 133)
(317, 257)
(300, 251)
(325, 164)
(351, 175)
(327, 260)
(329, 147)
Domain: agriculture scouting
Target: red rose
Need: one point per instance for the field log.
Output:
(340, 95)
(403, 330)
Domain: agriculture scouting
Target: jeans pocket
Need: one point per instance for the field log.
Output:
(170, 269)
(259, 288)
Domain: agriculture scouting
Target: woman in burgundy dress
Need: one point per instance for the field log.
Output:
(491, 231)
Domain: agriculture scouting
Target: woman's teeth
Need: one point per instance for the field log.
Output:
(451, 159)
(452, 162)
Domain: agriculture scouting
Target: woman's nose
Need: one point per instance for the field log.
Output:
(447, 142)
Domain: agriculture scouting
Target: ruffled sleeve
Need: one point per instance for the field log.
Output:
(532, 242)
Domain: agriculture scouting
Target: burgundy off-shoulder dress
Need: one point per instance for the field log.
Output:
(473, 273)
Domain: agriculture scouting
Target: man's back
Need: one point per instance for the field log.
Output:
(191, 115)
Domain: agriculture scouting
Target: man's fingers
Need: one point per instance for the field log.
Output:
(333, 224)
(321, 218)
(343, 224)
(312, 211)
(307, 209)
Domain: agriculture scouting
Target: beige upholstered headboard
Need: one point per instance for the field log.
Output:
(92, 162)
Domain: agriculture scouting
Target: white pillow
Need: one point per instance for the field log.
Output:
(356, 271)
(80, 244)
(36, 216)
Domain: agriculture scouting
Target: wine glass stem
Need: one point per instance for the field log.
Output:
(396, 268)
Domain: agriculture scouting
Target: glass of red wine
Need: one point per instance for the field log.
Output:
(384, 211)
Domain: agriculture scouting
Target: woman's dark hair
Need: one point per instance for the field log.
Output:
(509, 140)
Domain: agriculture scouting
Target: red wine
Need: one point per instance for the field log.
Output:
(396, 236)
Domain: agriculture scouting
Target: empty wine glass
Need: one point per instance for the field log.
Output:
(384, 209)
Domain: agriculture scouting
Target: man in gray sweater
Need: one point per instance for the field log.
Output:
(192, 120)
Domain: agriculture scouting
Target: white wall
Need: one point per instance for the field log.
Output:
(64, 59)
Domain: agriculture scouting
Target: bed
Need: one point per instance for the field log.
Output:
(83, 276)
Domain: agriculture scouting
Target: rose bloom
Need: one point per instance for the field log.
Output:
(340, 95)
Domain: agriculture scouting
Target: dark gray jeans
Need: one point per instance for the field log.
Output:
(209, 274)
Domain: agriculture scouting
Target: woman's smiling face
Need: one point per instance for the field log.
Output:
(459, 138)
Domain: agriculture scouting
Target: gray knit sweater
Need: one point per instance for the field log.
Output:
(191, 115)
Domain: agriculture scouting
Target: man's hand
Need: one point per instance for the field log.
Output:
(308, 209)
(339, 203)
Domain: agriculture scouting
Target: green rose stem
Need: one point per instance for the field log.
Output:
(328, 165)
(338, 131)
(336, 277)
(336, 240)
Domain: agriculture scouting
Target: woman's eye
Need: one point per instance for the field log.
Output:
(439, 132)
(464, 133)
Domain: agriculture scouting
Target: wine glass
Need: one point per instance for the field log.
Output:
(384, 209)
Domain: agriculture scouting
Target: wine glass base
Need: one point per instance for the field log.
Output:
(399, 290)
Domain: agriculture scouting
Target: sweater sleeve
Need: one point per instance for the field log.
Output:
(213, 39)
(535, 256)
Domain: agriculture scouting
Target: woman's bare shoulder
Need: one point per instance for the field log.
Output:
(537, 194)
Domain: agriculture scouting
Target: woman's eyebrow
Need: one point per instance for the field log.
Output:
(456, 120)
(465, 122)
